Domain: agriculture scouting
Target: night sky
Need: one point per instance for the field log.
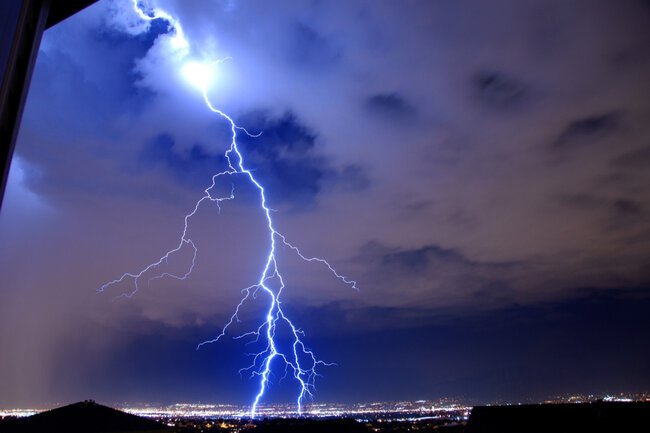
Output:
(481, 169)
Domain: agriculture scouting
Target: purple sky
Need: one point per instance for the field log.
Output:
(480, 168)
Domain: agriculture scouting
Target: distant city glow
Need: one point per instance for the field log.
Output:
(391, 410)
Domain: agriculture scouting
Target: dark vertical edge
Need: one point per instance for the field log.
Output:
(63, 9)
(17, 76)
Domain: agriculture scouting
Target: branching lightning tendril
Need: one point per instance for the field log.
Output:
(299, 360)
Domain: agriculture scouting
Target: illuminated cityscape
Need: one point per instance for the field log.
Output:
(454, 415)
(397, 416)
(443, 409)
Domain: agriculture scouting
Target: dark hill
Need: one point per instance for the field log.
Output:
(84, 417)
(597, 417)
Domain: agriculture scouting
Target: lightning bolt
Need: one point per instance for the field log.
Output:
(299, 361)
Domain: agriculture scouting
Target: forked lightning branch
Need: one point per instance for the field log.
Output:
(296, 357)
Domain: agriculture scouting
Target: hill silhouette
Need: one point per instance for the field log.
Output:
(83, 417)
(597, 417)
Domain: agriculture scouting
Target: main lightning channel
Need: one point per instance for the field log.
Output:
(300, 361)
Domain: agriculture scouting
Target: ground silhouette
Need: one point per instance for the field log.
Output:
(83, 417)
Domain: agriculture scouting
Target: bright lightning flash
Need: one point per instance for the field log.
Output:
(298, 359)
(198, 75)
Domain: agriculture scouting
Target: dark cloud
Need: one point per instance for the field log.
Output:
(588, 202)
(389, 105)
(638, 159)
(193, 166)
(426, 258)
(583, 131)
(423, 258)
(627, 213)
(287, 159)
(351, 178)
(627, 207)
(310, 49)
(617, 213)
(439, 273)
(136, 45)
(284, 157)
(131, 48)
(499, 90)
